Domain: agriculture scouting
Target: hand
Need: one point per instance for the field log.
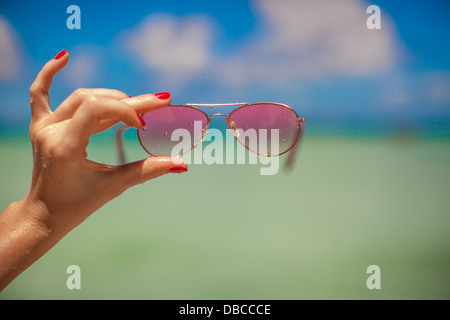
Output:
(64, 180)
(66, 187)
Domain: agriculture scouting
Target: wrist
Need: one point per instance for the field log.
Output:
(23, 240)
(45, 217)
(35, 214)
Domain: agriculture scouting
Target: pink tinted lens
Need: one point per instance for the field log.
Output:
(276, 128)
(172, 130)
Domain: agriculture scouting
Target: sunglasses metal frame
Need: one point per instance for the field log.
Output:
(293, 148)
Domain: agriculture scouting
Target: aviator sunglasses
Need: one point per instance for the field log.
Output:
(268, 122)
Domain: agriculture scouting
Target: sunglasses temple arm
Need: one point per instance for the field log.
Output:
(293, 153)
(118, 139)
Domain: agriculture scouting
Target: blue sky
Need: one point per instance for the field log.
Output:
(317, 56)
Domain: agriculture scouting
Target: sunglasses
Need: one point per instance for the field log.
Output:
(267, 129)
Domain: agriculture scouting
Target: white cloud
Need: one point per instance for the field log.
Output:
(85, 66)
(293, 39)
(9, 51)
(176, 48)
(304, 39)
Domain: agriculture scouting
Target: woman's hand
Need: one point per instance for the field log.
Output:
(66, 187)
(64, 180)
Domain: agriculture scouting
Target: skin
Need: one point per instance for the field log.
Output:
(66, 187)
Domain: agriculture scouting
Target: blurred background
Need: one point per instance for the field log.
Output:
(370, 185)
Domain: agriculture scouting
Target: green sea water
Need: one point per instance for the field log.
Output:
(227, 232)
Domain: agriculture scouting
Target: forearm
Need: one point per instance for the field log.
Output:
(23, 240)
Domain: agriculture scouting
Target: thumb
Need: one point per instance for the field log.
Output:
(149, 168)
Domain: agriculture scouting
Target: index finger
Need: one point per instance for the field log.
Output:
(141, 104)
(148, 102)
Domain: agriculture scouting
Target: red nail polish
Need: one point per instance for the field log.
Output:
(177, 170)
(61, 54)
(140, 119)
(162, 95)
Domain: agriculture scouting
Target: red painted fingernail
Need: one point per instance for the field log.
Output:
(130, 97)
(178, 170)
(140, 119)
(162, 95)
(61, 54)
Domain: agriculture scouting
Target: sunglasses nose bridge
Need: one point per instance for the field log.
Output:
(219, 115)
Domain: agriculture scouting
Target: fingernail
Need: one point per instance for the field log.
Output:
(140, 119)
(162, 95)
(61, 54)
(130, 97)
(178, 169)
